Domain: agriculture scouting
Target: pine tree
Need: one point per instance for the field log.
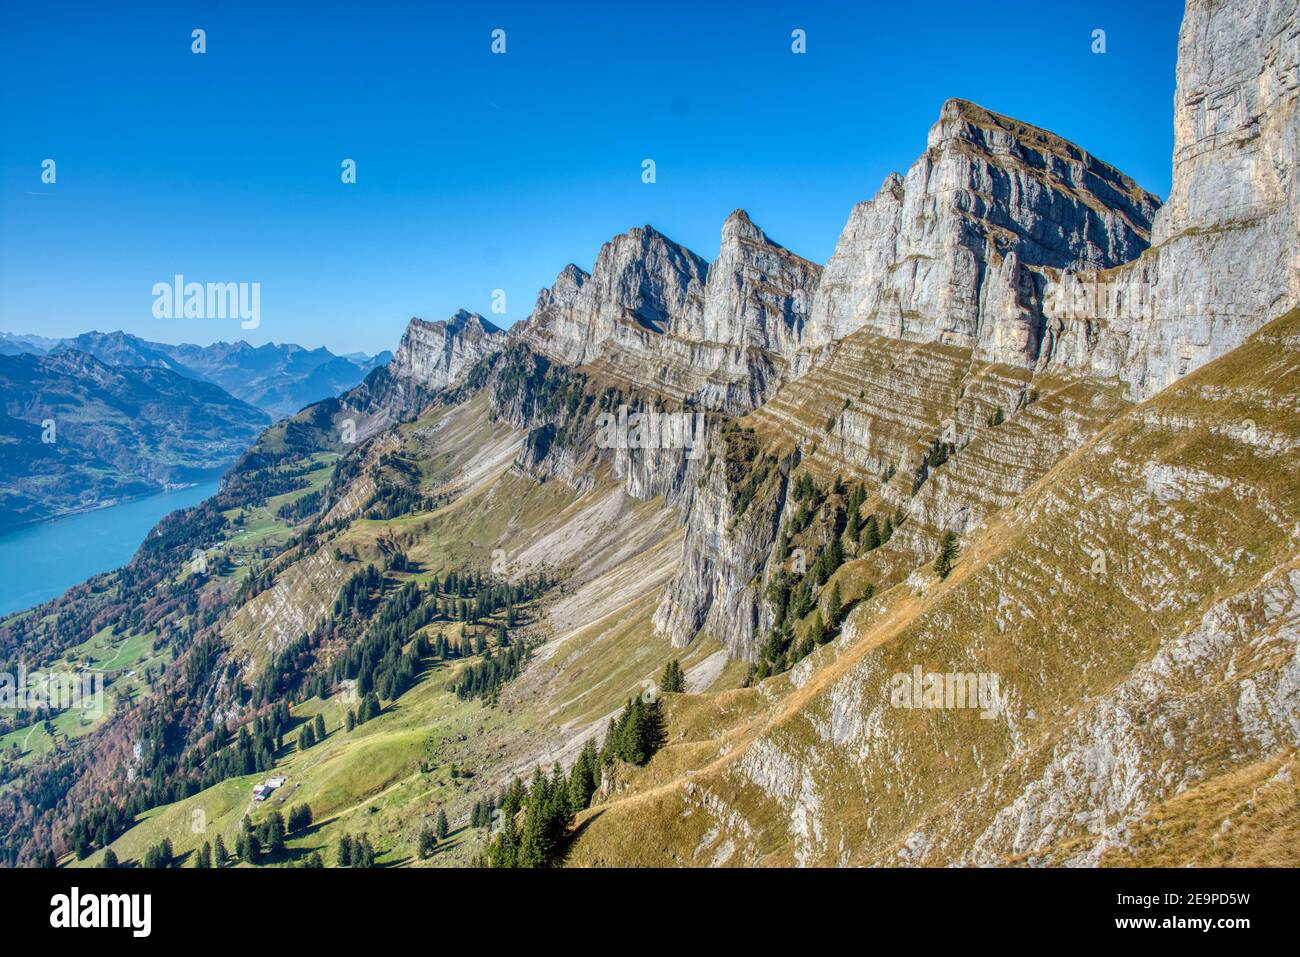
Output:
(585, 777)
(442, 825)
(318, 725)
(834, 609)
(948, 549)
(672, 681)
(271, 833)
(817, 629)
(363, 854)
(426, 843)
(220, 857)
(204, 858)
(345, 851)
(110, 859)
(870, 537)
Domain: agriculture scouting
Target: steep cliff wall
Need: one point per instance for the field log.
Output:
(955, 252)
(1226, 257)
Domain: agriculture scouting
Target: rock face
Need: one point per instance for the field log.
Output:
(759, 294)
(642, 285)
(1225, 258)
(437, 355)
(957, 251)
(978, 253)
(654, 315)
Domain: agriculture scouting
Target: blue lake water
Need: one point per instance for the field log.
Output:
(38, 562)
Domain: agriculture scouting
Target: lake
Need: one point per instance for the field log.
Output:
(38, 562)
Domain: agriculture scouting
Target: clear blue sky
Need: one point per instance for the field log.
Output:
(477, 171)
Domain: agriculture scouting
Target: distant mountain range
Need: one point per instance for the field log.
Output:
(279, 379)
(132, 416)
(76, 433)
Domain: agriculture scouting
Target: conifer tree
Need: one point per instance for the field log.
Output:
(817, 628)
(442, 826)
(834, 609)
(427, 842)
(204, 858)
(220, 857)
(345, 851)
(870, 537)
(948, 549)
(110, 859)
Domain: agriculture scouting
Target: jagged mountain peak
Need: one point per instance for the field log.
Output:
(1051, 158)
(738, 225)
(436, 354)
(647, 249)
(954, 250)
(464, 321)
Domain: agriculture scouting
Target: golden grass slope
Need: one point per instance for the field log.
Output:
(1140, 607)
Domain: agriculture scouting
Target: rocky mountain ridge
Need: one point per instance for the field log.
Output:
(1225, 258)
(1125, 566)
(277, 378)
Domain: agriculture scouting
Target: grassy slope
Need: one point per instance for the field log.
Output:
(1148, 695)
(613, 553)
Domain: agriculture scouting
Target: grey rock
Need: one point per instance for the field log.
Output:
(1225, 259)
(437, 355)
(957, 251)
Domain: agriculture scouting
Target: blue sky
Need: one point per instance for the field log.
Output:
(478, 171)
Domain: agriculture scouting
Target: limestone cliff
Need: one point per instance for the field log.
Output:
(438, 354)
(1225, 259)
(956, 251)
(653, 315)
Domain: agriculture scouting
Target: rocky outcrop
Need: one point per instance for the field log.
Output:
(432, 357)
(642, 285)
(652, 315)
(1225, 258)
(957, 250)
(437, 355)
(759, 294)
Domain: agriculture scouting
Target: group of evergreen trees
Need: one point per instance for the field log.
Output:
(636, 734)
(311, 732)
(381, 660)
(430, 836)
(550, 804)
(252, 751)
(793, 593)
(483, 679)
(548, 812)
(159, 856)
(355, 596)
(356, 852)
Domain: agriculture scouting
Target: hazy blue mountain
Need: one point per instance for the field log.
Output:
(118, 432)
(280, 379)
